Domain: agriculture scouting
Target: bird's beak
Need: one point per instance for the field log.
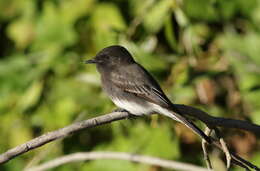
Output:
(91, 61)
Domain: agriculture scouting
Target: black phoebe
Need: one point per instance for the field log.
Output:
(132, 88)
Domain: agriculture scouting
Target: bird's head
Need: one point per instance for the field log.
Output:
(112, 56)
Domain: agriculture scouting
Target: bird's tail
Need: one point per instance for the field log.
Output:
(174, 113)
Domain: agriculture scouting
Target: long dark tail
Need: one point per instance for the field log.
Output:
(176, 114)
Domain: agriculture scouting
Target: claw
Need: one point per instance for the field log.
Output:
(120, 110)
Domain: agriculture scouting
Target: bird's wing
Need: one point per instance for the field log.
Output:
(142, 84)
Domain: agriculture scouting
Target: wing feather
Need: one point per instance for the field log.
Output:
(141, 84)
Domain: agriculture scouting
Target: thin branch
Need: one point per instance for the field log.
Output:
(116, 155)
(237, 159)
(226, 151)
(205, 149)
(210, 121)
(60, 133)
(43, 153)
(224, 148)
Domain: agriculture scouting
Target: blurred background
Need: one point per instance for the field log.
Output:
(204, 53)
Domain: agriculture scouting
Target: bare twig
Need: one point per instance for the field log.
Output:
(205, 150)
(237, 159)
(116, 155)
(41, 154)
(226, 151)
(60, 133)
(224, 148)
(242, 162)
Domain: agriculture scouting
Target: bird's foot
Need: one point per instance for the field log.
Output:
(120, 110)
(130, 116)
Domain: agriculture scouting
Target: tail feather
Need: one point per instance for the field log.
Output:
(193, 127)
(176, 115)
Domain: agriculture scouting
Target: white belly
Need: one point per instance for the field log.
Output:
(142, 108)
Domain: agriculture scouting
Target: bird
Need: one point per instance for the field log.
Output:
(132, 88)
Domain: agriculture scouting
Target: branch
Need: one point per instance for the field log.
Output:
(60, 133)
(116, 155)
(205, 149)
(213, 122)
(210, 121)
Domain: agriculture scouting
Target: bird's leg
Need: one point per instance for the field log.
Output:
(120, 110)
(130, 116)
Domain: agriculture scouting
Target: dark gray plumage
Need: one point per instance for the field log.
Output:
(132, 88)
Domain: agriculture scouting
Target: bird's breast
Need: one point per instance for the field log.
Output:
(134, 106)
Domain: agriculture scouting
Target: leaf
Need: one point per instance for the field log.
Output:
(157, 15)
(22, 29)
(202, 10)
(21, 32)
(169, 34)
(70, 11)
(11, 8)
(138, 8)
(31, 96)
(19, 133)
(52, 30)
(106, 21)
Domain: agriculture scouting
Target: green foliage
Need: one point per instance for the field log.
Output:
(106, 21)
(204, 53)
(155, 17)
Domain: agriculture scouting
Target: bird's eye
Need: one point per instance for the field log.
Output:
(100, 58)
(106, 57)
